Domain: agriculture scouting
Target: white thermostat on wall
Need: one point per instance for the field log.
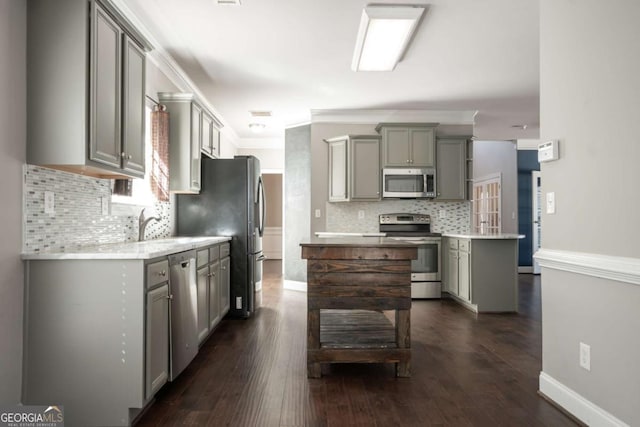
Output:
(548, 151)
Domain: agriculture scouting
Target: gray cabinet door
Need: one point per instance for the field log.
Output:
(338, 171)
(203, 303)
(396, 147)
(452, 272)
(157, 339)
(422, 147)
(464, 276)
(196, 142)
(105, 100)
(451, 176)
(207, 134)
(214, 294)
(133, 108)
(225, 283)
(365, 169)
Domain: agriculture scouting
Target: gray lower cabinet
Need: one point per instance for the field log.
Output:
(408, 144)
(86, 56)
(95, 333)
(214, 294)
(451, 173)
(225, 284)
(157, 327)
(354, 168)
(481, 273)
(213, 288)
(202, 280)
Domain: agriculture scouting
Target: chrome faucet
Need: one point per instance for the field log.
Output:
(142, 224)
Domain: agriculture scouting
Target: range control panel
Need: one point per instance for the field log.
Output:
(404, 218)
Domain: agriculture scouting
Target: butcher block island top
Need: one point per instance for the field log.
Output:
(350, 281)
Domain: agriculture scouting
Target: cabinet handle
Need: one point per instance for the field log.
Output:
(224, 268)
(169, 297)
(162, 273)
(123, 154)
(129, 157)
(408, 161)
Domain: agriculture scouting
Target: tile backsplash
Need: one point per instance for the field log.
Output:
(77, 219)
(343, 217)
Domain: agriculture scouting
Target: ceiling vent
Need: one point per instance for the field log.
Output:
(229, 2)
(260, 113)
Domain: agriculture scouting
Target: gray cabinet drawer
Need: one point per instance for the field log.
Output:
(224, 250)
(202, 257)
(157, 272)
(214, 253)
(465, 245)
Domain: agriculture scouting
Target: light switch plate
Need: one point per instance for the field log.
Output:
(551, 203)
(104, 200)
(318, 213)
(49, 202)
(360, 214)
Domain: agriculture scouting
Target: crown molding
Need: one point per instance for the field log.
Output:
(443, 117)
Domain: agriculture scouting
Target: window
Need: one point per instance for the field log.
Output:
(140, 188)
(486, 204)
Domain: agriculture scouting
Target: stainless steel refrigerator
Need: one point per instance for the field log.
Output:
(231, 203)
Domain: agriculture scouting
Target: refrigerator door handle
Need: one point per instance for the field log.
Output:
(262, 204)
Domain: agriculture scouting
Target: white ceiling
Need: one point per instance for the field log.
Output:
(294, 56)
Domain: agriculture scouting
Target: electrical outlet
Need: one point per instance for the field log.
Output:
(442, 213)
(238, 303)
(49, 202)
(585, 356)
(361, 214)
(318, 213)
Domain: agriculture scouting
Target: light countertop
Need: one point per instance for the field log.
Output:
(146, 249)
(500, 236)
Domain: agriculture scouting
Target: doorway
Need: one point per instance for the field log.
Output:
(536, 201)
(272, 240)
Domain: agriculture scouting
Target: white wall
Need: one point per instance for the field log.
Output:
(13, 147)
(589, 101)
(270, 159)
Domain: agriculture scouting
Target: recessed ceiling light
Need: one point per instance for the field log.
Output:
(383, 36)
(256, 127)
(229, 2)
(523, 127)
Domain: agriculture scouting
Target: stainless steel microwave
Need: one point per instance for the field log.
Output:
(408, 183)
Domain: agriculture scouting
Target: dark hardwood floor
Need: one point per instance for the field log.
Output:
(467, 370)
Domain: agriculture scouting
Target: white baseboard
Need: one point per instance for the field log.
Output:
(294, 285)
(577, 405)
(525, 269)
(272, 254)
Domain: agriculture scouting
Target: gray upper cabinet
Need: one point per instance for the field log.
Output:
(133, 103)
(210, 135)
(338, 169)
(408, 144)
(354, 168)
(193, 130)
(451, 178)
(86, 89)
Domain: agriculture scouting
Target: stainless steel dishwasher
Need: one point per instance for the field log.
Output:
(184, 314)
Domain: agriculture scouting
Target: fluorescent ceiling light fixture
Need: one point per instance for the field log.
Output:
(256, 127)
(383, 36)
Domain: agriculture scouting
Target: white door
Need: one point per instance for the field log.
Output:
(536, 194)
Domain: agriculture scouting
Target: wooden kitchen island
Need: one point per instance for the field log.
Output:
(350, 281)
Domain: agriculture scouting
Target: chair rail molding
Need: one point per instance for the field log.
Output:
(621, 269)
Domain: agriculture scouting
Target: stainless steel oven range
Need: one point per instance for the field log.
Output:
(425, 271)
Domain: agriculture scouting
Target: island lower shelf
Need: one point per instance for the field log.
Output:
(349, 285)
